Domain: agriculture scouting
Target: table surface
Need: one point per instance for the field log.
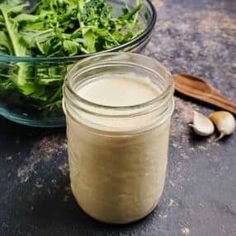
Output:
(199, 199)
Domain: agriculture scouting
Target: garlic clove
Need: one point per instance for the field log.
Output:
(202, 125)
(224, 122)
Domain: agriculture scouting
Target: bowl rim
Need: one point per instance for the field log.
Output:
(137, 39)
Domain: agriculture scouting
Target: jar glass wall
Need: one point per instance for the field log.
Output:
(118, 153)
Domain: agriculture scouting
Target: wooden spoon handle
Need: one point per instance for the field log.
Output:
(211, 97)
(223, 103)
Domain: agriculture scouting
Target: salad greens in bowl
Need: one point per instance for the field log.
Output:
(40, 40)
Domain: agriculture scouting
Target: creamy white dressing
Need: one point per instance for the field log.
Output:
(119, 90)
(117, 178)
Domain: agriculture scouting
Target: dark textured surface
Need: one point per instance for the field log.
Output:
(191, 36)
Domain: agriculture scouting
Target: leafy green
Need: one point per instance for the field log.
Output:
(54, 28)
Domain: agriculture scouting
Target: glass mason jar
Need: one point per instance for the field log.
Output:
(118, 154)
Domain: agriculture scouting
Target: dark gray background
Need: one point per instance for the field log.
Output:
(196, 37)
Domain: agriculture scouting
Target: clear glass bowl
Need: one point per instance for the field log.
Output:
(24, 110)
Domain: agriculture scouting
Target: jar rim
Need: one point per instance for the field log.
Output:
(168, 91)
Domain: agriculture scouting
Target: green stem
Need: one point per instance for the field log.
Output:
(12, 36)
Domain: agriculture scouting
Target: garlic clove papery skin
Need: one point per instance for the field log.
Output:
(202, 125)
(224, 122)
